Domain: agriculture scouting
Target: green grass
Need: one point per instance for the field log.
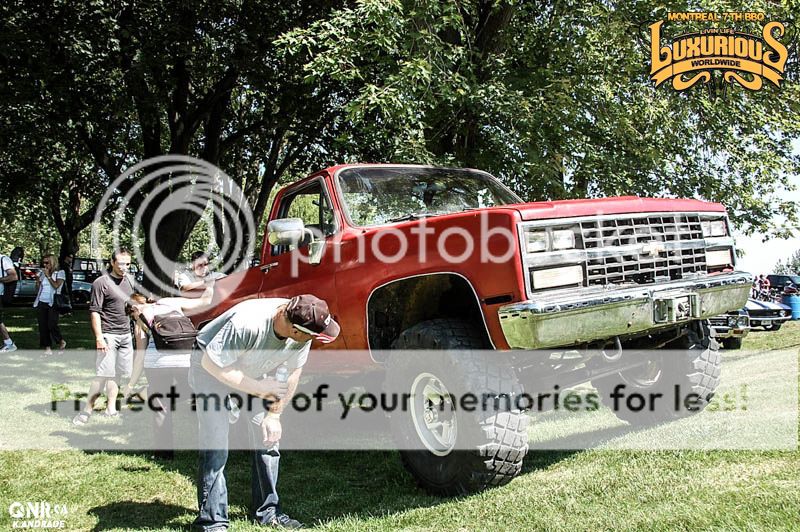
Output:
(23, 328)
(564, 490)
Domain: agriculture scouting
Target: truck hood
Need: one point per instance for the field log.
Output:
(620, 205)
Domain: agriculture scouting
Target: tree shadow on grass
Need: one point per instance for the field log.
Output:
(316, 487)
(127, 515)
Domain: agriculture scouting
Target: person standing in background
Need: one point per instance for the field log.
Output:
(199, 276)
(8, 278)
(49, 283)
(112, 331)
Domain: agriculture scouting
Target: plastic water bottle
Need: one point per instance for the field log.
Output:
(233, 410)
(282, 373)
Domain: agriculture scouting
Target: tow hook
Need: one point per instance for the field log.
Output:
(613, 357)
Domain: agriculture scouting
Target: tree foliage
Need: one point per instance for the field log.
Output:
(555, 99)
(789, 266)
(552, 97)
(122, 82)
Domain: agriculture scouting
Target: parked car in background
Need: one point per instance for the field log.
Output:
(779, 282)
(731, 328)
(87, 270)
(26, 285)
(81, 293)
(767, 314)
(136, 272)
(84, 269)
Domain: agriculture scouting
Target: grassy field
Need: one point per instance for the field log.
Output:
(569, 490)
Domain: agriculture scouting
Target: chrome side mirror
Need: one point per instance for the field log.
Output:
(286, 231)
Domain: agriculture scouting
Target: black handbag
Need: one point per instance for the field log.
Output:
(62, 303)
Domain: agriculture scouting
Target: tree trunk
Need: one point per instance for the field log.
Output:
(170, 234)
(69, 244)
(69, 227)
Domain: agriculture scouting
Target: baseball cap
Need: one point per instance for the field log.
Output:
(310, 315)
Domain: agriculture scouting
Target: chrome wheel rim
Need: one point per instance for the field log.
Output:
(433, 414)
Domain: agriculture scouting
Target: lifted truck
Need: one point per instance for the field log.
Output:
(598, 277)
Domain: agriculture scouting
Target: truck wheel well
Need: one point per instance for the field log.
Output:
(398, 305)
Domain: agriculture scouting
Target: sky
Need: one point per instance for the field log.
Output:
(760, 257)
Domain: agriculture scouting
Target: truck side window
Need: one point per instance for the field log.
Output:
(312, 206)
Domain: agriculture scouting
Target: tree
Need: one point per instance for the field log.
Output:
(553, 98)
(791, 266)
(132, 81)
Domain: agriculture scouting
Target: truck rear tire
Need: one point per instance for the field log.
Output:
(438, 459)
(696, 370)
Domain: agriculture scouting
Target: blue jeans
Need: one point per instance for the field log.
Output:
(212, 418)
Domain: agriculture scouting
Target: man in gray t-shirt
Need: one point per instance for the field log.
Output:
(234, 352)
(112, 331)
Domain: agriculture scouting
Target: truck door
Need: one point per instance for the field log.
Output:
(286, 275)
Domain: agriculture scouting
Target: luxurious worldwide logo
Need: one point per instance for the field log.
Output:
(743, 58)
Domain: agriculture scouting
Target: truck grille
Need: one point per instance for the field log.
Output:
(718, 321)
(615, 251)
(625, 231)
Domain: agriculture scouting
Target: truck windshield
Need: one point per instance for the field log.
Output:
(380, 195)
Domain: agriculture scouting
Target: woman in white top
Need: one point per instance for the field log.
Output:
(167, 371)
(49, 284)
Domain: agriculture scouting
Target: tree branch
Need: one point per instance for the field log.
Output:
(229, 141)
(178, 105)
(138, 89)
(55, 209)
(220, 90)
(100, 153)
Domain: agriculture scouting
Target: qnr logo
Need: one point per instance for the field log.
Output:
(37, 515)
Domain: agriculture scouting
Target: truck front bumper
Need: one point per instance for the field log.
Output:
(574, 316)
(767, 321)
(730, 325)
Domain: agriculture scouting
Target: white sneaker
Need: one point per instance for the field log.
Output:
(8, 348)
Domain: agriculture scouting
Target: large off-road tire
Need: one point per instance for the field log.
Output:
(732, 343)
(468, 450)
(692, 362)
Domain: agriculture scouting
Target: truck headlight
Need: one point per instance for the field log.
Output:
(536, 241)
(540, 240)
(732, 321)
(713, 228)
(743, 321)
(563, 239)
(552, 277)
(719, 257)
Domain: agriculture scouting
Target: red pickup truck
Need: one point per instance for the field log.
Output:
(418, 257)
